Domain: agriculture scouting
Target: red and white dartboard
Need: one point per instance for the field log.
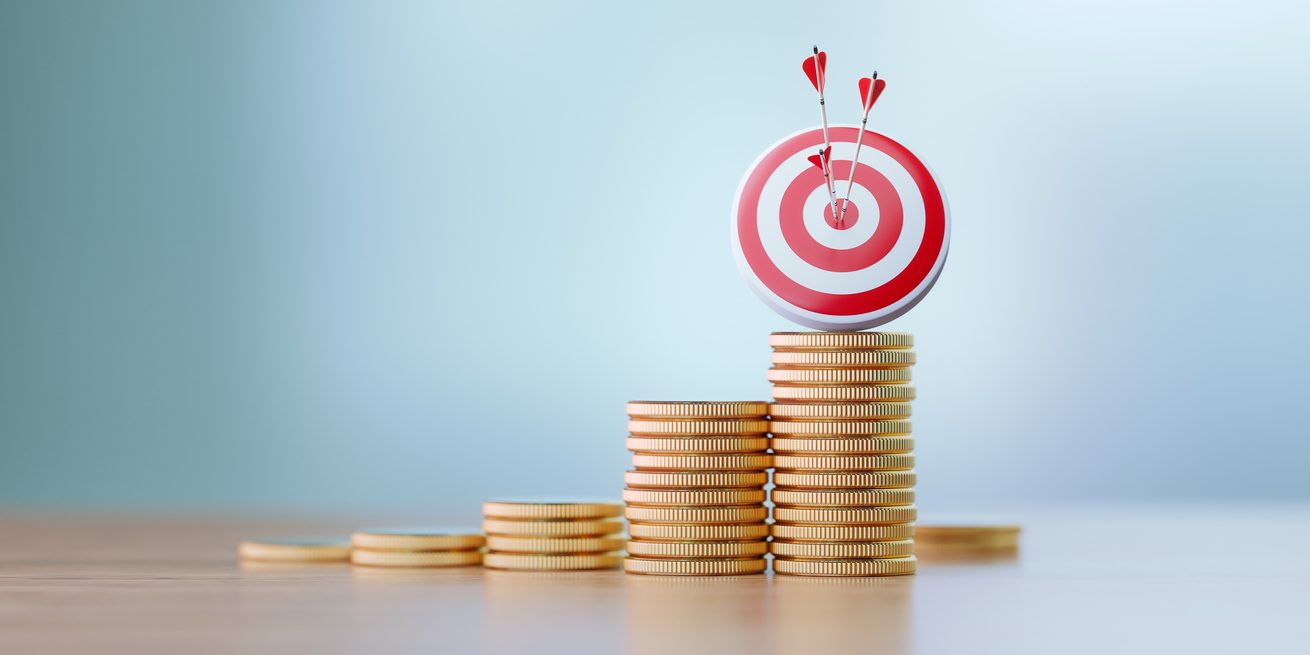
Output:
(884, 258)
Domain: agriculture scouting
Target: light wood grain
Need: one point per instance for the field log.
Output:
(1218, 578)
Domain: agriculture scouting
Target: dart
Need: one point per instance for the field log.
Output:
(870, 89)
(816, 67)
(822, 161)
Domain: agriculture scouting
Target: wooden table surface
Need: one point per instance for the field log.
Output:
(1194, 578)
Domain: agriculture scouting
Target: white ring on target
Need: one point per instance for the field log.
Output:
(768, 218)
(851, 237)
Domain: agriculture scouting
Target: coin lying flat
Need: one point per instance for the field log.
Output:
(697, 409)
(422, 559)
(846, 394)
(417, 539)
(535, 562)
(330, 549)
(842, 550)
(691, 532)
(842, 445)
(842, 533)
(843, 497)
(690, 497)
(709, 445)
(969, 534)
(841, 340)
(838, 411)
(897, 461)
(550, 508)
(695, 479)
(839, 376)
(846, 515)
(844, 479)
(742, 462)
(844, 358)
(697, 549)
(554, 545)
(513, 528)
(734, 514)
(840, 428)
(651, 566)
(847, 567)
(707, 427)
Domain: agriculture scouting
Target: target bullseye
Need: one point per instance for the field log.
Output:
(868, 269)
(848, 221)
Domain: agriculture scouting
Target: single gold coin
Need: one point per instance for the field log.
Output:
(698, 444)
(841, 533)
(584, 528)
(842, 550)
(417, 539)
(838, 411)
(310, 549)
(893, 462)
(554, 546)
(846, 515)
(697, 549)
(652, 566)
(688, 532)
(695, 479)
(693, 497)
(840, 428)
(844, 358)
(842, 445)
(422, 559)
(550, 508)
(844, 479)
(732, 514)
(971, 534)
(537, 562)
(696, 427)
(841, 340)
(839, 376)
(845, 567)
(844, 394)
(842, 497)
(735, 462)
(697, 409)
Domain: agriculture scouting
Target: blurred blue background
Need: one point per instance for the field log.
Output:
(401, 256)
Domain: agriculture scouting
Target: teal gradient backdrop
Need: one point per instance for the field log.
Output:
(385, 255)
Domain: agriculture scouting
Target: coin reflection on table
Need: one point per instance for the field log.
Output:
(841, 615)
(696, 614)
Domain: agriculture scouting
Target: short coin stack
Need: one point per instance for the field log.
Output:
(552, 534)
(696, 492)
(416, 547)
(843, 456)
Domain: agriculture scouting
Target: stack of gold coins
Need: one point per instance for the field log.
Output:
(843, 457)
(696, 493)
(552, 534)
(416, 547)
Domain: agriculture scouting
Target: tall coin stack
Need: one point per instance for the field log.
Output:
(695, 496)
(551, 534)
(843, 456)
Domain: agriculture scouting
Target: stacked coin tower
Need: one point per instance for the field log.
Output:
(552, 534)
(696, 493)
(416, 547)
(843, 456)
